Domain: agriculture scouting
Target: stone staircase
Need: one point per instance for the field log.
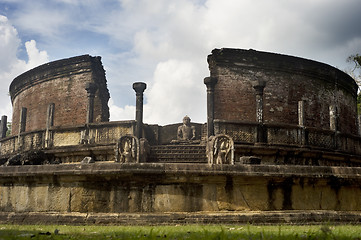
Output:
(178, 154)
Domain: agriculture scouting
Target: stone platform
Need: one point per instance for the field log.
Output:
(164, 193)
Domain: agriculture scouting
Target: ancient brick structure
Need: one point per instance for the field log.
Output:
(61, 84)
(286, 81)
(280, 145)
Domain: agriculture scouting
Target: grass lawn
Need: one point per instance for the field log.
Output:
(197, 232)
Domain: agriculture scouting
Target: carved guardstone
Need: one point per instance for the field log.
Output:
(127, 150)
(220, 150)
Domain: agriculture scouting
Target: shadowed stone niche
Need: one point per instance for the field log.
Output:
(221, 150)
(127, 150)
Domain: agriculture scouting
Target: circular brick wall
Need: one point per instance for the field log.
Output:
(63, 84)
(288, 80)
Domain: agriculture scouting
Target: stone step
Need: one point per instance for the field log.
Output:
(178, 153)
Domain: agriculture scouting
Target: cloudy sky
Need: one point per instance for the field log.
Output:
(165, 43)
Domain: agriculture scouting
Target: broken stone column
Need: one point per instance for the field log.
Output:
(91, 89)
(210, 83)
(302, 122)
(22, 125)
(49, 124)
(3, 126)
(259, 86)
(261, 131)
(301, 113)
(139, 88)
(334, 125)
(50, 116)
(333, 117)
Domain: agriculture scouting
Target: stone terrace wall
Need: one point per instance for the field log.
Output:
(62, 83)
(67, 143)
(157, 188)
(288, 81)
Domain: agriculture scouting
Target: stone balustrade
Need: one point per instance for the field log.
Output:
(289, 135)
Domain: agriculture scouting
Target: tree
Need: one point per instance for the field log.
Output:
(356, 74)
(356, 70)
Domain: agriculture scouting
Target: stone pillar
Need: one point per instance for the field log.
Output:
(259, 86)
(261, 131)
(139, 88)
(301, 113)
(303, 137)
(49, 124)
(3, 126)
(334, 125)
(210, 83)
(50, 116)
(91, 89)
(22, 125)
(333, 117)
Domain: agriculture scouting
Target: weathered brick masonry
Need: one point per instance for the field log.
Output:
(288, 80)
(63, 83)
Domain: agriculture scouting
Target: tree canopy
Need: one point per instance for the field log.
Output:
(356, 74)
(356, 71)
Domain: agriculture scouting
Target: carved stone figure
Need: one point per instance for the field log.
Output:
(186, 131)
(221, 150)
(127, 150)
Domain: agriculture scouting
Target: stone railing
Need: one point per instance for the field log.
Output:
(96, 133)
(288, 135)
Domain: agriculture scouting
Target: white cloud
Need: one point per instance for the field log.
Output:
(119, 113)
(9, 44)
(176, 91)
(10, 65)
(35, 56)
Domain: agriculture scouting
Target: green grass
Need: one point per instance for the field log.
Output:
(197, 232)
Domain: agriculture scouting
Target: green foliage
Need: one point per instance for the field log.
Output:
(8, 132)
(181, 232)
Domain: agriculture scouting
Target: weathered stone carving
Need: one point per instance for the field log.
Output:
(86, 137)
(186, 131)
(127, 150)
(221, 150)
